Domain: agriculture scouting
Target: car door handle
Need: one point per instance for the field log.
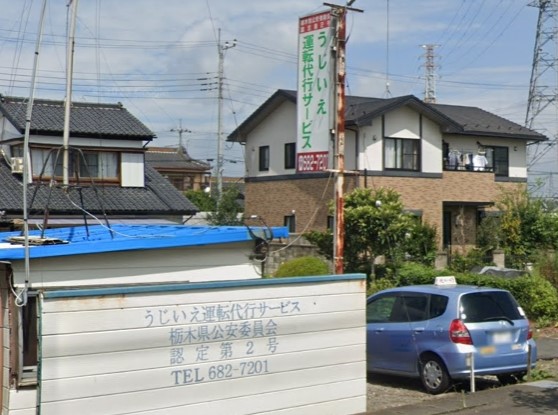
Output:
(380, 330)
(419, 329)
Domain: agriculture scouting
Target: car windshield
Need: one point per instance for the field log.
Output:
(489, 306)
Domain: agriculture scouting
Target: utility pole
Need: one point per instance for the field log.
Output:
(387, 92)
(340, 13)
(180, 131)
(221, 48)
(430, 76)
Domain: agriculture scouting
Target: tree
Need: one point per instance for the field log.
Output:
(526, 226)
(228, 211)
(376, 225)
(203, 201)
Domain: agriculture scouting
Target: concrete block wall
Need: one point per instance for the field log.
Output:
(280, 252)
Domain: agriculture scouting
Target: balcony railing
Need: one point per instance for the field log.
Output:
(467, 161)
(466, 167)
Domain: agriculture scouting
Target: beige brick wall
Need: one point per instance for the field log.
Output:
(274, 200)
(310, 198)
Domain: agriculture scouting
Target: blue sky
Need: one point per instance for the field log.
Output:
(159, 58)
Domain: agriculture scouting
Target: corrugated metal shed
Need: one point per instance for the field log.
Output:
(100, 239)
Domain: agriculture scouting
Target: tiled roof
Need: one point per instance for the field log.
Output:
(158, 197)
(172, 159)
(86, 119)
(454, 119)
(475, 120)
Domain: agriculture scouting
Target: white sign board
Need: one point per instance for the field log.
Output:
(253, 346)
(314, 103)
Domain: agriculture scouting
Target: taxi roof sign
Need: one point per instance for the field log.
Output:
(445, 281)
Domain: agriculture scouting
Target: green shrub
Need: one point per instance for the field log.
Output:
(413, 273)
(381, 284)
(409, 273)
(536, 295)
(547, 267)
(303, 266)
(464, 263)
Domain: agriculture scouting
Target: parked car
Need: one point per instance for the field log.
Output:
(443, 332)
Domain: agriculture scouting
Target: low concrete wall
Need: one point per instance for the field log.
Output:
(280, 252)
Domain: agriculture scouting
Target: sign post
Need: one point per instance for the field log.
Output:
(320, 112)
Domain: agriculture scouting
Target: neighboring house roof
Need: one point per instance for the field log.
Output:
(86, 119)
(100, 239)
(453, 119)
(158, 197)
(164, 158)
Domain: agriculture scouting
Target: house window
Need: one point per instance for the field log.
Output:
(264, 158)
(290, 155)
(330, 222)
(177, 182)
(88, 164)
(401, 154)
(96, 164)
(498, 160)
(289, 221)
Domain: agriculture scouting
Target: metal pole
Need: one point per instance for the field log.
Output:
(180, 131)
(68, 102)
(472, 380)
(22, 300)
(529, 359)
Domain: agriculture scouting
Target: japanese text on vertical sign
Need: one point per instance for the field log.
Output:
(313, 103)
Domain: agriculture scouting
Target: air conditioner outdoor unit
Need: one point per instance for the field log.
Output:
(17, 164)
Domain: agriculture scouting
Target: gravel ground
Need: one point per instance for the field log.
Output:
(389, 391)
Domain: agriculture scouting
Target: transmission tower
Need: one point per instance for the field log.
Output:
(542, 108)
(542, 88)
(430, 73)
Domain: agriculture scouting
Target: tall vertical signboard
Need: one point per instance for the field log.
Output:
(314, 102)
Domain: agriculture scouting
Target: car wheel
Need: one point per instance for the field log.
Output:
(510, 378)
(434, 375)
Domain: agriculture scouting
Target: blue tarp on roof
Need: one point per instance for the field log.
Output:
(100, 239)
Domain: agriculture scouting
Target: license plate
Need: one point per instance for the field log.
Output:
(502, 337)
(486, 350)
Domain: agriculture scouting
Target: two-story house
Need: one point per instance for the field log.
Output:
(176, 165)
(108, 176)
(449, 163)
